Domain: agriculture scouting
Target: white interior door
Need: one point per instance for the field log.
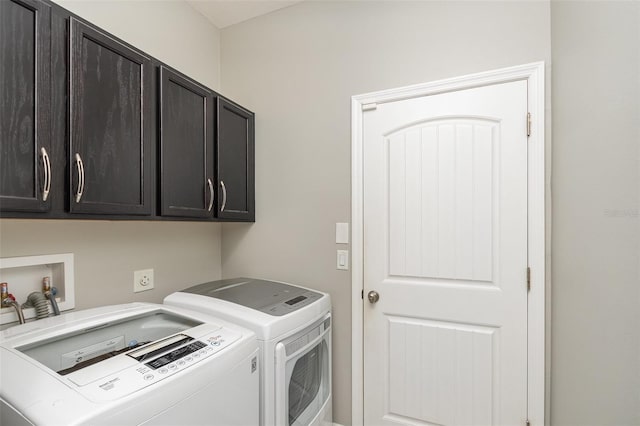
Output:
(445, 248)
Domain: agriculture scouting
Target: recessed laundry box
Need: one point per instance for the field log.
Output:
(293, 325)
(129, 364)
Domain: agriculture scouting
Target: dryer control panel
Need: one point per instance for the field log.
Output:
(151, 363)
(271, 297)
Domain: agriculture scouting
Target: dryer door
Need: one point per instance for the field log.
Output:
(303, 375)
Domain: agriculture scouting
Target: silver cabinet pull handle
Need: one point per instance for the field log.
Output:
(80, 169)
(210, 184)
(46, 187)
(224, 195)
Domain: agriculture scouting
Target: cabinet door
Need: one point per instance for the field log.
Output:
(110, 128)
(186, 147)
(235, 162)
(25, 172)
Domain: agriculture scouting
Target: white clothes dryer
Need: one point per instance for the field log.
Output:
(293, 325)
(130, 364)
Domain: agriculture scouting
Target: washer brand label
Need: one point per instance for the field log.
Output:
(110, 384)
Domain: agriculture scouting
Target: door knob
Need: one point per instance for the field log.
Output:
(373, 296)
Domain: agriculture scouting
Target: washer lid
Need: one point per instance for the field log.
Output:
(271, 297)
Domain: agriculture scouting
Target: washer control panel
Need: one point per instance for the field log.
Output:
(157, 361)
(177, 354)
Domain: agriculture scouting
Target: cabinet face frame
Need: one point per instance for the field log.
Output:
(223, 210)
(167, 208)
(41, 110)
(78, 32)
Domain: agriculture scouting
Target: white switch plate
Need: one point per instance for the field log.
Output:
(342, 233)
(142, 280)
(342, 261)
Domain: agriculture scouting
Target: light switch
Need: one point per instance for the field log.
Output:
(343, 260)
(342, 233)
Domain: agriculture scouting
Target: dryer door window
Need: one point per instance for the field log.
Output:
(306, 387)
(303, 376)
(305, 381)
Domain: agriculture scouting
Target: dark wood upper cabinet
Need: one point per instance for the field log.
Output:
(92, 128)
(110, 125)
(25, 165)
(186, 147)
(235, 162)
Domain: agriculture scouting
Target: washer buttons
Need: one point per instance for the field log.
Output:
(148, 376)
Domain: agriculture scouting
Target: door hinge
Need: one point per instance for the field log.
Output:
(369, 107)
(528, 124)
(362, 294)
(528, 278)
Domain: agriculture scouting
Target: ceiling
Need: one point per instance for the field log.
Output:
(223, 13)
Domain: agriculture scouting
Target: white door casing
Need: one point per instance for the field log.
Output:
(441, 213)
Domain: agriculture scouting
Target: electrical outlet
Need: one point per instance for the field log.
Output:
(142, 280)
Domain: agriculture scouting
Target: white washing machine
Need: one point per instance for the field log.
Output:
(130, 364)
(293, 325)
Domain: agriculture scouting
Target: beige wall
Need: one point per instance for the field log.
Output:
(107, 253)
(297, 69)
(595, 376)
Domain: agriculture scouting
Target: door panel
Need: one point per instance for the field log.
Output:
(25, 172)
(440, 199)
(110, 125)
(425, 356)
(186, 147)
(235, 162)
(445, 235)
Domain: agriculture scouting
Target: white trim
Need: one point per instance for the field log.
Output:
(357, 263)
(534, 75)
(536, 247)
